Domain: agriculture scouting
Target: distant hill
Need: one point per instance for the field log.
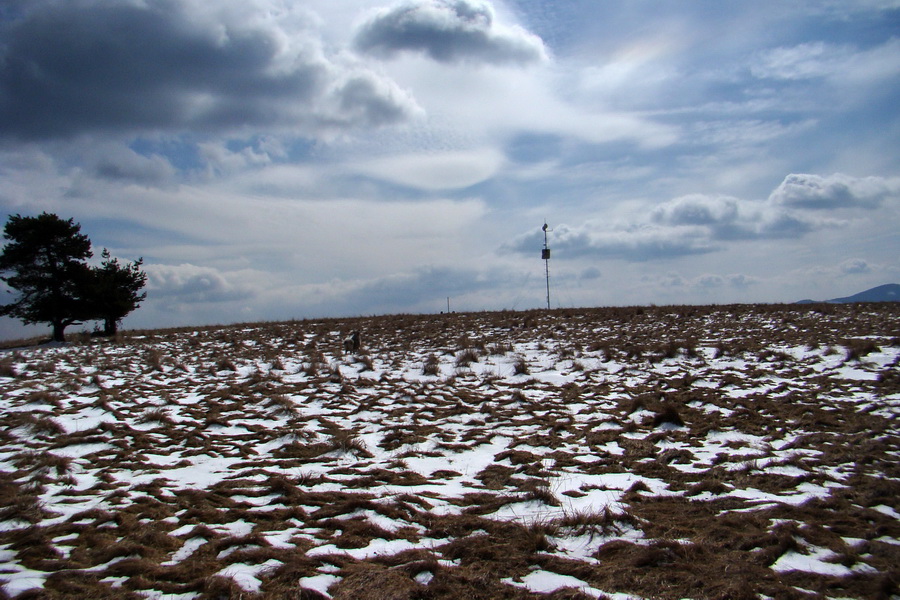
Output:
(889, 292)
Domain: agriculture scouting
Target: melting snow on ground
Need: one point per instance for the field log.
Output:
(612, 452)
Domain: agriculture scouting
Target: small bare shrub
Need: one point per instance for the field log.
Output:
(26, 507)
(499, 348)
(678, 456)
(431, 366)
(667, 413)
(857, 349)
(541, 492)
(637, 487)
(367, 364)
(224, 364)
(282, 405)
(465, 358)
(346, 443)
(489, 377)
(154, 360)
(43, 462)
(592, 524)
(520, 367)
(604, 348)
(156, 415)
(45, 366)
(633, 352)
(8, 368)
(566, 352)
(713, 486)
(334, 373)
(41, 424)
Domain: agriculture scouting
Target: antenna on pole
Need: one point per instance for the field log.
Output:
(545, 256)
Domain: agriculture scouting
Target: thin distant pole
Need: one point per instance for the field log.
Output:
(545, 254)
(448, 304)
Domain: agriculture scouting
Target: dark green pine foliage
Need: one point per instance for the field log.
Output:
(44, 260)
(116, 290)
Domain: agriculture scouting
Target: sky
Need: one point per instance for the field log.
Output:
(278, 159)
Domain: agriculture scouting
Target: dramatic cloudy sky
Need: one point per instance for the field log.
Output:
(275, 159)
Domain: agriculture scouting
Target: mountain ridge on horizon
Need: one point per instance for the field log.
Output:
(889, 292)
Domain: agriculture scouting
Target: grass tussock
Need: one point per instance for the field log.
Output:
(858, 349)
(465, 358)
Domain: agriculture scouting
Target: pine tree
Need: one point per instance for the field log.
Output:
(44, 259)
(115, 290)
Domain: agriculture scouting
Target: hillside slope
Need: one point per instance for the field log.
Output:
(671, 452)
(883, 293)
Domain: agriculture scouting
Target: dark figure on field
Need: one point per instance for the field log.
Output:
(351, 342)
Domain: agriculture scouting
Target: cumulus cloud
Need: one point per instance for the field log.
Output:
(447, 31)
(710, 281)
(639, 242)
(815, 192)
(719, 212)
(714, 281)
(114, 163)
(700, 224)
(219, 159)
(854, 269)
(781, 224)
(726, 218)
(741, 281)
(704, 284)
(362, 97)
(187, 283)
(71, 67)
(854, 266)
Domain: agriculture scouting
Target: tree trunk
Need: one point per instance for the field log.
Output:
(59, 332)
(110, 327)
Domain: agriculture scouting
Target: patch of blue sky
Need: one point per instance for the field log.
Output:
(180, 151)
(121, 233)
(529, 147)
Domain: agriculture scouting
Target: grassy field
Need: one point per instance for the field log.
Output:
(724, 452)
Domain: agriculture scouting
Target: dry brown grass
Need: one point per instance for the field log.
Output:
(226, 392)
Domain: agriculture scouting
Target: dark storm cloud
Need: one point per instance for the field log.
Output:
(85, 66)
(447, 31)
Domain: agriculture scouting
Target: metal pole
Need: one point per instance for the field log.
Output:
(546, 255)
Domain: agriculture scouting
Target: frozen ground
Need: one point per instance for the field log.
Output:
(667, 452)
